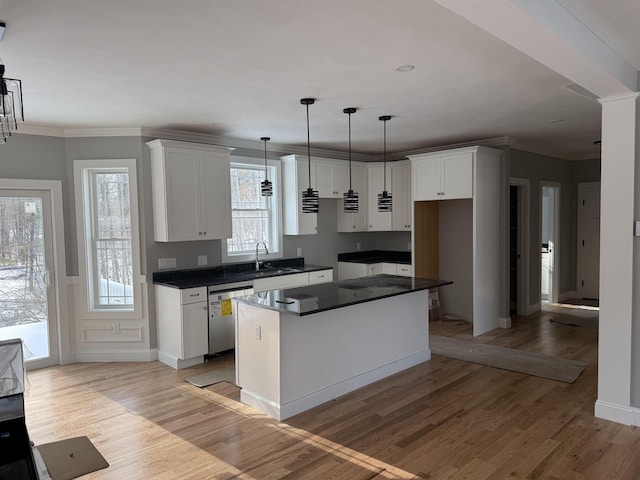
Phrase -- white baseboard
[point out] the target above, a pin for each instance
(566, 295)
(504, 322)
(626, 415)
(117, 356)
(283, 411)
(178, 363)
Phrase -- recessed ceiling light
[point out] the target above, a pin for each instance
(405, 68)
(557, 120)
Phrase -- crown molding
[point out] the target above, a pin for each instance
(488, 142)
(26, 129)
(238, 143)
(103, 132)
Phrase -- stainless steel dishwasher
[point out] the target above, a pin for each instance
(222, 315)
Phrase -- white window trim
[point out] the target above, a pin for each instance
(82, 205)
(277, 195)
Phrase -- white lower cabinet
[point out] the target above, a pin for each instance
(347, 270)
(399, 269)
(293, 280)
(182, 317)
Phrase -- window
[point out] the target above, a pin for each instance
(107, 222)
(254, 218)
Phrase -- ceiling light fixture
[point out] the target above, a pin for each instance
(266, 187)
(350, 197)
(385, 200)
(404, 68)
(11, 110)
(310, 198)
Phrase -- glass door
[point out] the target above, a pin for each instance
(27, 299)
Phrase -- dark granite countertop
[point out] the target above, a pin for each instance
(376, 256)
(328, 296)
(232, 274)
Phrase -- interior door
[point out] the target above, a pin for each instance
(27, 294)
(588, 247)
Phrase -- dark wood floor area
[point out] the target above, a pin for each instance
(441, 419)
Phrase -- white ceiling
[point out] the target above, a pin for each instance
(238, 68)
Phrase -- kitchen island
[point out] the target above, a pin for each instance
(300, 347)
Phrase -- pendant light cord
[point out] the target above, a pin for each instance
(308, 146)
(265, 159)
(385, 156)
(350, 152)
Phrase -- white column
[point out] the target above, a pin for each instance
(620, 147)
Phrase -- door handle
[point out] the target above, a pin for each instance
(46, 278)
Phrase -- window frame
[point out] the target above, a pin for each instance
(85, 221)
(276, 211)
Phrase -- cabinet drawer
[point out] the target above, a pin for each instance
(192, 295)
(323, 276)
(404, 270)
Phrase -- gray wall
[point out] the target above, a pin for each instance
(539, 168)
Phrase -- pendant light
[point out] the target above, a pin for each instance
(266, 187)
(11, 109)
(350, 197)
(385, 200)
(310, 198)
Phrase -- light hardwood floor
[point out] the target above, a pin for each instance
(441, 419)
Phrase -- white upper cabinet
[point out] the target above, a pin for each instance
(378, 221)
(401, 190)
(191, 191)
(295, 179)
(333, 178)
(442, 176)
(354, 221)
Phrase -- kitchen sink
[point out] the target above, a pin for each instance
(271, 271)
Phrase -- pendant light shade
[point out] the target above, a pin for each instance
(310, 198)
(266, 187)
(350, 198)
(385, 200)
(11, 111)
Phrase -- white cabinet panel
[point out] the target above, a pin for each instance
(182, 317)
(404, 270)
(295, 176)
(347, 270)
(322, 276)
(292, 281)
(191, 191)
(425, 177)
(195, 334)
(457, 176)
(333, 179)
(355, 221)
(378, 221)
(401, 190)
(443, 176)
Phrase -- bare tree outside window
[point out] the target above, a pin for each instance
(250, 212)
(111, 239)
(22, 268)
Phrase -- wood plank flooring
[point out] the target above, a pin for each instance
(441, 419)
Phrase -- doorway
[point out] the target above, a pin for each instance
(29, 294)
(519, 246)
(588, 261)
(549, 241)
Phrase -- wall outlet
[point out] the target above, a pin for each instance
(167, 263)
(202, 259)
(258, 332)
(358, 246)
(299, 252)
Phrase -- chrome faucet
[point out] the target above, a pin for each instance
(266, 252)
